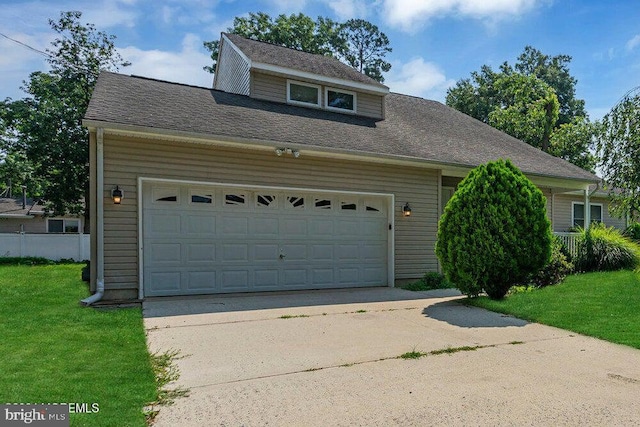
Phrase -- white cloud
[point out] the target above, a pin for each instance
(633, 43)
(181, 67)
(418, 78)
(348, 9)
(410, 14)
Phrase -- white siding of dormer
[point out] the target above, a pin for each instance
(232, 73)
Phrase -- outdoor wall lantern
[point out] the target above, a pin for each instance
(117, 195)
(406, 209)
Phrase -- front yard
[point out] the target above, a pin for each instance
(602, 305)
(55, 351)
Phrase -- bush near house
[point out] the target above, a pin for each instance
(431, 280)
(557, 269)
(494, 231)
(603, 248)
(633, 232)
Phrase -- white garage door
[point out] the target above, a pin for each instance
(215, 239)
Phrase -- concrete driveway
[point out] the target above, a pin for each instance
(329, 358)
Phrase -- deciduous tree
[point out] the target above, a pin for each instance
(619, 150)
(356, 42)
(46, 126)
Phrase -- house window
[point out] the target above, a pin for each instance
(578, 213)
(266, 200)
(234, 199)
(323, 203)
(303, 93)
(63, 225)
(341, 100)
(296, 202)
(202, 198)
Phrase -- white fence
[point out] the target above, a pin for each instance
(50, 246)
(570, 240)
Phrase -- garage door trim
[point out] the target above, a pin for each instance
(390, 215)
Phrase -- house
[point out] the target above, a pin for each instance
(26, 215)
(294, 172)
(27, 231)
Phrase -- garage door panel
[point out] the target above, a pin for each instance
(347, 252)
(321, 228)
(371, 275)
(266, 252)
(201, 280)
(348, 275)
(294, 252)
(374, 252)
(163, 224)
(322, 252)
(235, 226)
(295, 277)
(371, 229)
(293, 227)
(266, 279)
(346, 228)
(165, 253)
(201, 224)
(201, 252)
(165, 281)
(265, 227)
(323, 276)
(238, 252)
(235, 280)
(216, 239)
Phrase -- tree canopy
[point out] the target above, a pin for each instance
(619, 151)
(531, 100)
(356, 42)
(44, 130)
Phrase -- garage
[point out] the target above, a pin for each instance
(207, 239)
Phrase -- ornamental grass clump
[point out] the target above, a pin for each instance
(494, 232)
(603, 248)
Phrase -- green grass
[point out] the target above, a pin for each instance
(603, 305)
(55, 351)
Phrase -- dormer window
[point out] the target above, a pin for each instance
(340, 100)
(303, 94)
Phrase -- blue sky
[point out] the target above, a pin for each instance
(435, 42)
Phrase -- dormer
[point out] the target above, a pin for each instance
(275, 73)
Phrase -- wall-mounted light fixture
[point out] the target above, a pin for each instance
(285, 150)
(117, 195)
(406, 209)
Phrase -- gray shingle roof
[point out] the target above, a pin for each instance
(414, 128)
(326, 66)
(13, 206)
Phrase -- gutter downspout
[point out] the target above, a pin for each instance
(100, 221)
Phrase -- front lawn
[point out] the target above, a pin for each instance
(55, 351)
(603, 305)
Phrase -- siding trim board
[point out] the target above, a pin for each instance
(207, 184)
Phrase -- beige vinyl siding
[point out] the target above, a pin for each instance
(29, 225)
(563, 212)
(232, 72)
(371, 105)
(268, 87)
(126, 159)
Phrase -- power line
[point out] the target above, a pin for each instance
(26, 45)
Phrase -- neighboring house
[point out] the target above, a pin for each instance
(25, 215)
(26, 231)
(294, 172)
